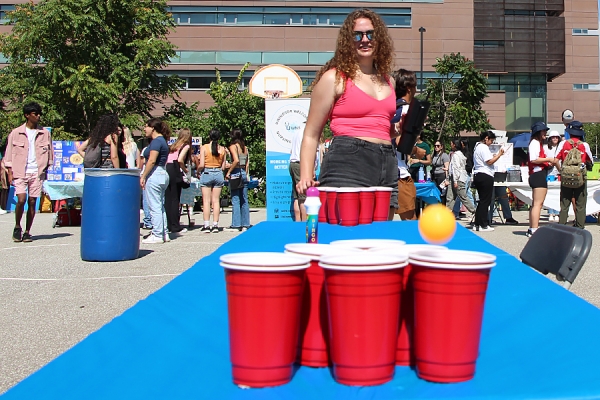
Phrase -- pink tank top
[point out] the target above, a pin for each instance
(356, 113)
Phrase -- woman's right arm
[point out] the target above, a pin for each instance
(114, 151)
(235, 160)
(82, 147)
(201, 160)
(323, 98)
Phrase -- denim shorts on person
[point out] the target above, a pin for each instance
(212, 177)
(352, 162)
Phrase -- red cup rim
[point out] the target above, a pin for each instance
(407, 248)
(327, 189)
(367, 189)
(348, 190)
(463, 257)
(464, 267)
(363, 261)
(383, 189)
(365, 244)
(264, 261)
(315, 250)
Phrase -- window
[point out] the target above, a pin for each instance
(581, 86)
(255, 16)
(4, 8)
(489, 43)
(201, 80)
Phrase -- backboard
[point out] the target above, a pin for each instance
(275, 81)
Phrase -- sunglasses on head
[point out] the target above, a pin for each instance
(358, 35)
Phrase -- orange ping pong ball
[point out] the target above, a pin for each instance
(437, 224)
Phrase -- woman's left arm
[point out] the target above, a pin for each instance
(247, 164)
(182, 158)
(114, 151)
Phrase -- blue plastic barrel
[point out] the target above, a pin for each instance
(110, 214)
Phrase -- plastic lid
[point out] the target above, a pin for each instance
(366, 244)
(312, 192)
(316, 250)
(264, 261)
(459, 257)
(363, 262)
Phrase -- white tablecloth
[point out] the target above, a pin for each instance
(524, 193)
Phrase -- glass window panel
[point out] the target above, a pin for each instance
(284, 58)
(197, 57)
(183, 18)
(237, 57)
(249, 19)
(277, 19)
(296, 18)
(192, 9)
(319, 58)
(198, 18)
(200, 82)
(397, 20)
(322, 19)
(336, 19)
(229, 18)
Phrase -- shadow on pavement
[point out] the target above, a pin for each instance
(144, 252)
(53, 236)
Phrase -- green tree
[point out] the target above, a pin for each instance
(592, 136)
(83, 58)
(456, 98)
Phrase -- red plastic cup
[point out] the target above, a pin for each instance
(363, 294)
(264, 296)
(404, 347)
(366, 244)
(367, 205)
(332, 210)
(323, 208)
(383, 196)
(348, 203)
(313, 344)
(449, 294)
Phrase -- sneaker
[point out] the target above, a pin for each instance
(167, 238)
(183, 230)
(2, 212)
(511, 221)
(529, 233)
(555, 219)
(486, 229)
(214, 229)
(205, 229)
(245, 228)
(17, 235)
(233, 229)
(146, 228)
(26, 237)
(153, 240)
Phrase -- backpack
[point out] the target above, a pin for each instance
(93, 157)
(571, 174)
(469, 164)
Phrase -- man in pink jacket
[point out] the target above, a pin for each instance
(28, 156)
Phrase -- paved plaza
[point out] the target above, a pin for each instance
(51, 299)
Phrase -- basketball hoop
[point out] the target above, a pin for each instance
(273, 94)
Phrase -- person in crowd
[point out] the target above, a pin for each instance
(356, 92)
(106, 135)
(154, 179)
(130, 149)
(483, 170)
(567, 117)
(177, 164)
(28, 155)
(212, 163)
(416, 163)
(405, 89)
(539, 163)
(141, 165)
(469, 168)
(501, 196)
(240, 209)
(440, 165)
(576, 134)
(457, 179)
(551, 150)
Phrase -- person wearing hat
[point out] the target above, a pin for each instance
(576, 134)
(538, 164)
(551, 150)
(567, 117)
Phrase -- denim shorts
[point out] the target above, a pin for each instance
(352, 162)
(212, 177)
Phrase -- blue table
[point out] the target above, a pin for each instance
(428, 192)
(539, 341)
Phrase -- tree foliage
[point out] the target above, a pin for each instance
(233, 108)
(83, 58)
(456, 98)
(592, 136)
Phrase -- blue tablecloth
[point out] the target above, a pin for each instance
(428, 192)
(539, 341)
(61, 190)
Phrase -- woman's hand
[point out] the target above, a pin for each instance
(143, 183)
(303, 184)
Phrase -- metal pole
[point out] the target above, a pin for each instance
(421, 30)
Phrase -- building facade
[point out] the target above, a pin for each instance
(540, 56)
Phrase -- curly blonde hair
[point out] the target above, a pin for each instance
(345, 59)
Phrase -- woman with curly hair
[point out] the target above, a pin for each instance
(105, 135)
(154, 179)
(356, 92)
(240, 210)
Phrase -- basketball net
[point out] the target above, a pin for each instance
(273, 94)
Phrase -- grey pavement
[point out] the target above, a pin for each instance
(53, 300)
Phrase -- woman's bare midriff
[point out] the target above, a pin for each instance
(374, 140)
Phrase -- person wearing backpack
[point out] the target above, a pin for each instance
(575, 158)
(538, 164)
